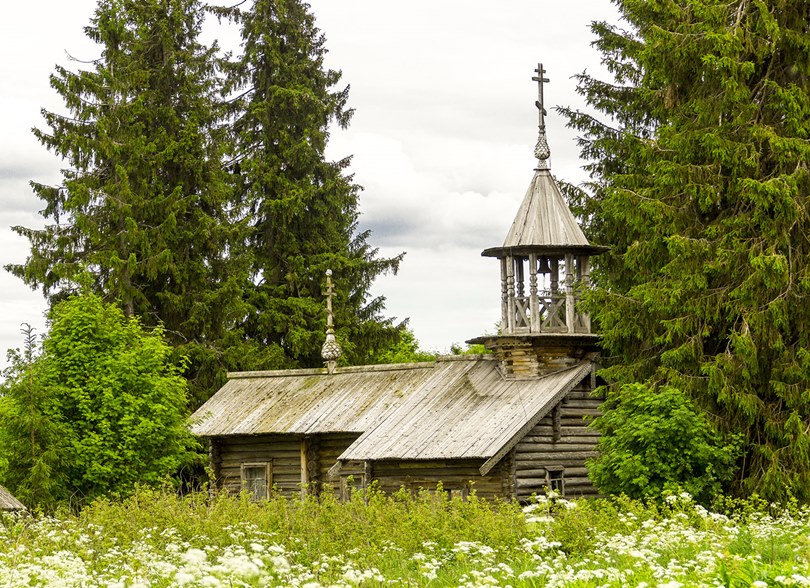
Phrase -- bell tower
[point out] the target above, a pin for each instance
(545, 265)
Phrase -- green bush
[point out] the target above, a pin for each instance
(655, 440)
(101, 409)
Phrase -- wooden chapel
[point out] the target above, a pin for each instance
(506, 424)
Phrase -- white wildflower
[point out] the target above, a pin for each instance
(194, 556)
(183, 577)
(281, 564)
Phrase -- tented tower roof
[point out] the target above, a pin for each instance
(544, 224)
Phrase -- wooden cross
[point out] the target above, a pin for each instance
(540, 79)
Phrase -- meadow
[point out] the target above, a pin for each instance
(155, 538)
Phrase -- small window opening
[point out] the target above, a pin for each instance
(461, 493)
(256, 480)
(555, 479)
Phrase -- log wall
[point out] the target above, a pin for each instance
(295, 460)
(562, 439)
(283, 451)
(331, 446)
(456, 477)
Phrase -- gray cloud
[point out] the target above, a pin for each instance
(442, 138)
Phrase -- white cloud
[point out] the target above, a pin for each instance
(442, 138)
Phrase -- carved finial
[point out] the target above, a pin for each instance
(541, 150)
(331, 351)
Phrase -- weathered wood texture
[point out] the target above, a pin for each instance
(533, 356)
(9, 502)
(331, 446)
(566, 443)
(465, 423)
(297, 461)
(455, 476)
(544, 220)
(307, 402)
(284, 451)
(466, 411)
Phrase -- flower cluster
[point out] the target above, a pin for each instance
(680, 544)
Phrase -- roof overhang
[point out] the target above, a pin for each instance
(549, 250)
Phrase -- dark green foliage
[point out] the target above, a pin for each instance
(700, 184)
(216, 219)
(302, 209)
(144, 201)
(655, 440)
(470, 349)
(106, 405)
(29, 435)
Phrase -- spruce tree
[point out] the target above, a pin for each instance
(144, 201)
(301, 208)
(700, 184)
(29, 434)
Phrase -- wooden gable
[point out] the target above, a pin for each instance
(9, 502)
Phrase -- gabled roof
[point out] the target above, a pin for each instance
(465, 413)
(8, 502)
(458, 407)
(305, 402)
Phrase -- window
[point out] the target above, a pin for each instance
(555, 479)
(257, 479)
(461, 493)
(349, 484)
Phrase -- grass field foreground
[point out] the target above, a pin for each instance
(155, 538)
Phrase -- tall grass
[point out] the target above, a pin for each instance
(364, 523)
(155, 538)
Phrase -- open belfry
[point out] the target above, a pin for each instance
(506, 424)
(545, 265)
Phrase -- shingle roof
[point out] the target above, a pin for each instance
(544, 218)
(544, 223)
(307, 401)
(8, 502)
(465, 413)
(457, 407)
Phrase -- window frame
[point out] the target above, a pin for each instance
(268, 478)
(555, 479)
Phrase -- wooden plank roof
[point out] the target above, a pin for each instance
(465, 412)
(307, 401)
(8, 502)
(455, 408)
(544, 219)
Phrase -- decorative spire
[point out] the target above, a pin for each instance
(541, 150)
(331, 351)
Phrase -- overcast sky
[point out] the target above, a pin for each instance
(442, 136)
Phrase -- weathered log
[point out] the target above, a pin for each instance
(560, 446)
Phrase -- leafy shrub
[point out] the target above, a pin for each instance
(101, 409)
(654, 440)
(405, 350)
